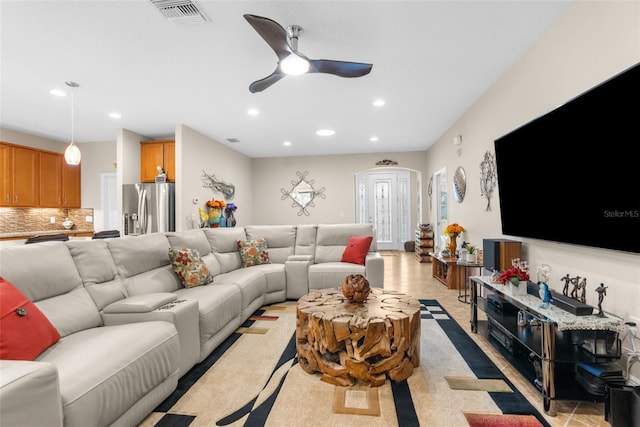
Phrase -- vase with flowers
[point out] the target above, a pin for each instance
(229, 212)
(215, 211)
(516, 277)
(453, 231)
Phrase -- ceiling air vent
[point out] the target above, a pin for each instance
(180, 12)
(234, 140)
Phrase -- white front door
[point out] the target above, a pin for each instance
(384, 201)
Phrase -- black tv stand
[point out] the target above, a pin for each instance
(547, 348)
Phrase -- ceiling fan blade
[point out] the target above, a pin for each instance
(272, 33)
(340, 68)
(260, 85)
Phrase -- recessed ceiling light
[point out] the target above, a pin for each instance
(286, 143)
(379, 102)
(325, 132)
(253, 112)
(373, 139)
(58, 92)
(115, 115)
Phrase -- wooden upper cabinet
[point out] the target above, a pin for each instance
(37, 178)
(50, 189)
(70, 185)
(154, 154)
(169, 153)
(20, 176)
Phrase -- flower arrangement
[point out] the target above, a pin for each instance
(517, 273)
(231, 207)
(204, 217)
(216, 204)
(454, 229)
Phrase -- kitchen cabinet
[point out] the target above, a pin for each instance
(71, 185)
(157, 153)
(59, 185)
(20, 176)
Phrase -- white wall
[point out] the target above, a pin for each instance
(592, 42)
(97, 158)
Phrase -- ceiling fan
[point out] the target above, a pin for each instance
(290, 60)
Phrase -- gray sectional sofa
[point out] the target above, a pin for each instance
(130, 329)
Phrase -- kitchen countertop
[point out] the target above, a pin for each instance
(27, 234)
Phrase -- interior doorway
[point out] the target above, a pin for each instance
(384, 200)
(440, 203)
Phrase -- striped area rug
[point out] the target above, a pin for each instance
(253, 379)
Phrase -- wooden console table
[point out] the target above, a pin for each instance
(367, 341)
(445, 270)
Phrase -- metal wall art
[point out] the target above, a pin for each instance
(302, 193)
(459, 184)
(488, 177)
(215, 184)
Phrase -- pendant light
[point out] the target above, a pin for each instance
(72, 154)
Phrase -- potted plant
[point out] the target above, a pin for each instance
(472, 255)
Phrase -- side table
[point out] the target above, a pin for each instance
(465, 270)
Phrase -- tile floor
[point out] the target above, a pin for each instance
(405, 274)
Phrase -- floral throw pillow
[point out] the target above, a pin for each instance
(253, 252)
(189, 267)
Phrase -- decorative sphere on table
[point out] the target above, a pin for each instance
(355, 287)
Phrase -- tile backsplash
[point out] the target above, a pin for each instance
(29, 220)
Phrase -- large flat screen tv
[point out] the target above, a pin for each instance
(573, 174)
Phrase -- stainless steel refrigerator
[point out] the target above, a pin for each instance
(148, 208)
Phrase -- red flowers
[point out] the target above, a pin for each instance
(518, 272)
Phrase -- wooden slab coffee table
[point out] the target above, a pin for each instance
(346, 341)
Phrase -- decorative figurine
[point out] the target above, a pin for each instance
(574, 291)
(602, 292)
(566, 279)
(583, 287)
(544, 272)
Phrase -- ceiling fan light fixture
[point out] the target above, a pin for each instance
(294, 65)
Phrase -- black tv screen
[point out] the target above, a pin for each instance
(573, 174)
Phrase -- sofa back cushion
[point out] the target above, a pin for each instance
(306, 240)
(46, 274)
(98, 271)
(281, 240)
(332, 239)
(224, 244)
(143, 263)
(195, 239)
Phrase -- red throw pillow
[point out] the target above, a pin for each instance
(25, 332)
(357, 249)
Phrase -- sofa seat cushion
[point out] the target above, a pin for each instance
(251, 282)
(99, 383)
(331, 274)
(274, 274)
(218, 304)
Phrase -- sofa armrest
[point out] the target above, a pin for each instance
(30, 394)
(374, 269)
(143, 303)
(167, 307)
(296, 269)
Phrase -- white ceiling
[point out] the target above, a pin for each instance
(431, 61)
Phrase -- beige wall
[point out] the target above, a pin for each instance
(592, 42)
(335, 173)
